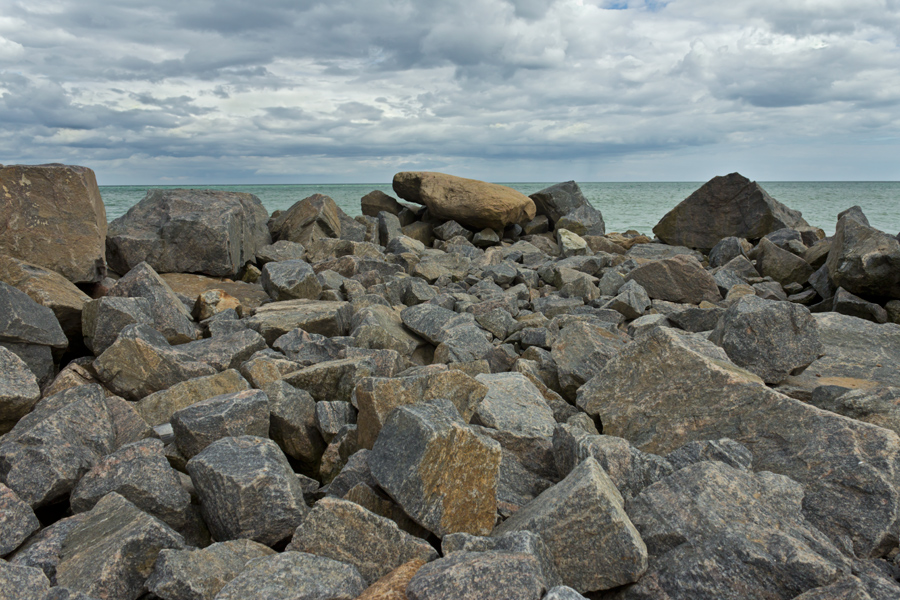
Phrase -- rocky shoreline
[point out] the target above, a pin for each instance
(463, 393)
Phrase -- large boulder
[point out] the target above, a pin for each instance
(472, 203)
(189, 231)
(54, 217)
(17, 521)
(19, 390)
(566, 200)
(491, 575)
(725, 206)
(295, 576)
(678, 279)
(308, 220)
(864, 260)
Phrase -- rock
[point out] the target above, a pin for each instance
(308, 348)
(308, 220)
(514, 404)
(632, 300)
(727, 249)
(479, 576)
(559, 200)
(250, 295)
(441, 473)
(381, 327)
(247, 489)
(571, 244)
(199, 574)
(580, 350)
(214, 302)
(326, 318)
(847, 304)
(432, 322)
(332, 380)
(485, 238)
(709, 518)
(141, 362)
(389, 228)
(295, 576)
(634, 397)
(450, 229)
(768, 338)
(563, 592)
(42, 549)
(471, 203)
(19, 390)
(342, 447)
(582, 522)
(696, 319)
(17, 521)
(879, 406)
(863, 260)
(24, 321)
(781, 265)
(293, 424)
(158, 408)
(189, 231)
(54, 218)
(22, 583)
(227, 351)
(725, 206)
(170, 317)
(516, 542)
(678, 279)
(111, 552)
(279, 251)
(290, 280)
(393, 585)
(584, 221)
(376, 201)
(347, 532)
(104, 318)
(229, 415)
(726, 451)
(330, 416)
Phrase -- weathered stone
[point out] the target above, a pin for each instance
(561, 199)
(19, 582)
(199, 574)
(847, 304)
(450, 229)
(677, 279)
(571, 244)
(290, 280)
(725, 206)
(170, 317)
(213, 302)
(632, 300)
(442, 474)
(581, 349)
(309, 219)
(295, 576)
(381, 327)
(158, 408)
(432, 321)
(247, 489)
(343, 446)
(104, 318)
(332, 380)
(19, 390)
(393, 585)
(42, 549)
(330, 416)
(279, 251)
(583, 523)
(451, 264)
(189, 231)
(25, 322)
(479, 576)
(583, 221)
(727, 249)
(726, 451)
(313, 316)
(708, 518)
(229, 415)
(563, 592)
(17, 521)
(228, 351)
(514, 404)
(250, 295)
(471, 203)
(293, 424)
(863, 260)
(879, 406)
(768, 338)
(781, 265)
(697, 319)
(111, 552)
(54, 217)
(851, 490)
(141, 362)
(376, 201)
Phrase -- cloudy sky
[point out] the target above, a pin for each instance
(293, 91)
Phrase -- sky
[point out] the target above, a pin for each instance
(292, 91)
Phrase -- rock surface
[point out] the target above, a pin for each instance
(295, 576)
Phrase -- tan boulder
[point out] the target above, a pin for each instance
(53, 216)
(469, 202)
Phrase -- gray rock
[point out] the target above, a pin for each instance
(441, 473)
(632, 300)
(821, 282)
(485, 238)
(290, 280)
(332, 380)
(158, 408)
(450, 229)
(559, 200)
(17, 521)
(847, 304)
(308, 220)
(463, 344)
(515, 405)
(516, 542)
(584, 221)
(853, 588)
(104, 318)
(24, 321)
(293, 424)
(42, 549)
(38, 359)
(111, 552)
(381, 327)
(677, 279)
(654, 251)
(326, 318)
(863, 260)
(610, 283)
(768, 338)
(709, 518)
(308, 348)
(19, 390)
(781, 265)
(228, 415)
(696, 319)
(879, 406)
(347, 532)
(331, 415)
(726, 451)
(247, 489)
(199, 574)
(726, 249)
(571, 244)
(563, 592)
(376, 201)
(479, 576)
(389, 228)
(583, 523)
(295, 576)
(432, 321)
(342, 447)
(227, 351)
(580, 350)
(279, 251)
(19, 582)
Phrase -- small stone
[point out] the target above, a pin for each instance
(486, 238)
(18, 582)
(19, 390)
(516, 542)
(393, 585)
(632, 300)
(104, 318)
(848, 304)
(212, 302)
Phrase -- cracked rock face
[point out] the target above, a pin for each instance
(291, 575)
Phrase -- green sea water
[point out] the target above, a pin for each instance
(624, 206)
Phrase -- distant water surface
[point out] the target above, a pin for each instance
(624, 205)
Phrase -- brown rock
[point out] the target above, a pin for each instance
(212, 302)
(393, 585)
(158, 408)
(376, 201)
(250, 295)
(309, 219)
(677, 279)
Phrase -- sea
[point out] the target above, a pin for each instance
(625, 206)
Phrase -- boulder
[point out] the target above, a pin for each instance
(308, 220)
(25, 322)
(432, 322)
(580, 350)
(479, 576)
(441, 473)
(290, 280)
(571, 244)
(279, 251)
(54, 217)
(381, 328)
(643, 395)
(191, 285)
(512, 403)
(376, 201)
(879, 405)
(471, 203)
(294, 423)
(849, 304)
(393, 585)
(333, 379)
(295, 576)
(104, 318)
(678, 279)
(158, 407)
(725, 206)
(19, 582)
(17, 521)
(328, 318)
(247, 489)
(728, 249)
(583, 221)
(781, 265)
(227, 350)
(632, 300)
(229, 415)
(19, 390)
(559, 200)
(189, 231)
(42, 549)
(863, 260)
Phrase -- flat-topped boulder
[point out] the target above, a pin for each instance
(469, 202)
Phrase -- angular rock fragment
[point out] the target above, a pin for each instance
(228, 415)
(290, 280)
(17, 521)
(158, 407)
(781, 265)
(24, 321)
(677, 279)
(514, 404)
(228, 351)
(479, 576)
(581, 349)
(516, 542)
(726, 451)
(333, 379)
(104, 318)
(42, 549)
(846, 303)
(18, 582)
(293, 423)
(295, 576)
(19, 390)
(432, 322)
(863, 260)
(326, 318)
(393, 585)
(381, 327)
(632, 300)
(879, 406)
(308, 220)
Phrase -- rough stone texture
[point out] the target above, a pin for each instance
(463, 344)
(377, 398)
(19, 582)
(879, 406)
(199, 574)
(229, 415)
(247, 489)
(141, 362)
(376, 201)
(213, 302)
(111, 552)
(767, 337)
(189, 231)
(583, 523)
(666, 390)
(571, 244)
(632, 300)
(140, 473)
(472, 203)
(725, 206)
(225, 351)
(192, 285)
(170, 317)
(677, 279)
(433, 322)
(726, 451)
(381, 328)
(863, 260)
(104, 318)
(347, 532)
(583, 221)
(19, 390)
(854, 588)
(293, 424)
(53, 216)
(308, 220)
(48, 451)
(848, 304)
(727, 249)
(441, 473)
(308, 348)
(290, 280)
(393, 585)
(580, 350)
(17, 521)
(781, 265)
(295, 576)
(331, 415)
(559, 200)
(279, 251)
(328, 318)
(709, 519)
(42, 549)
(24, 321)
(158, 408)
(518, 542)
(514, 404)
(333, 379)
(563, 592)
(479, 576)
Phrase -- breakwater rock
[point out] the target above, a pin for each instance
(488, 399)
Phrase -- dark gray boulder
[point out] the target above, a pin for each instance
(678, 279)
(295, 576)
(513, 404)
(878, 405)
(515, 542)
(294, 423)
(479, 576)
(310, 219)
(104, 318)
(849, 304)
(564, 198)
(376, 201)
(432, 322)
(279, 251)
(24, 321)
(726, 451)
(863, 260)
(632, 300)
(18, 582)
(225, 351)
(229, 415)
(727, 249)
(290, 280)
(42, 549)
(19, 390)
(328, 318)
(781, 265)
(189, 231)
(579, 351)
(17, 521)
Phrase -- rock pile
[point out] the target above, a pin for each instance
(485, 397)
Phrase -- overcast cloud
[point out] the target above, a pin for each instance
(211, 91)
